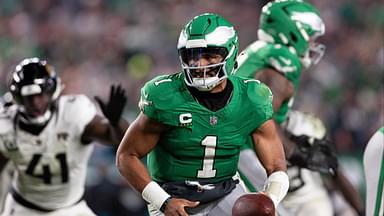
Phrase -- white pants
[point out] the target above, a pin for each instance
(221, 207)
(13, 208)
(374, 175)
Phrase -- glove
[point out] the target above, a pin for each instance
(314, 154)
(113, 109)
(322, 158)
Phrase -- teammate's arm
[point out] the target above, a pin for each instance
(282, 89)
(140, 138)
(111, 129)
(350, 193)
(270, 151)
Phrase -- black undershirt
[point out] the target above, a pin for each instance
(213, 101)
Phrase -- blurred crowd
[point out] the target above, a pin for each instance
(95, 43)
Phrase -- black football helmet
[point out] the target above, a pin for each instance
(33, 76)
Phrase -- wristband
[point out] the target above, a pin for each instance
(277, 186)
(155, 195)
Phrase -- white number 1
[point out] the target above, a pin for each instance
(209, 155)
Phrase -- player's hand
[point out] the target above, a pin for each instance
(314, 154)
(176, 207)
(323, 158)
(114, 107)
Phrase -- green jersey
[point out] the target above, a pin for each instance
(260, 55)
(201, 144)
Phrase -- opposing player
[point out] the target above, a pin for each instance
(374, 174)
(48, 138)
(287, 45)
(192, 125)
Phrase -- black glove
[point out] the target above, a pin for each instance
(113, 109)
(316, 155)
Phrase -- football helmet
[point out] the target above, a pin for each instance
(207, 35)
(296, 24)
(33, 76)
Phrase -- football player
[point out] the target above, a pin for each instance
(48, 139)
(285, 47)
(374, 174)
(192, 125)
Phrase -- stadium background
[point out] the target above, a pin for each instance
(94, 43)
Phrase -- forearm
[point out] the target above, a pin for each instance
(116, 133)
(133, 170)
(137, 175)
(349, 192)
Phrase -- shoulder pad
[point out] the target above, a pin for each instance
(263, 55)
(160, 93)
(78, 107)
(258, 92)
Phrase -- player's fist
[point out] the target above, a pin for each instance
(253, 204)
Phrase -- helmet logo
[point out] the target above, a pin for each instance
(220, 36)
(310, 19)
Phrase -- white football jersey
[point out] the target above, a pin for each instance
(51, 166)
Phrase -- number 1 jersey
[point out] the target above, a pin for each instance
(201, 144)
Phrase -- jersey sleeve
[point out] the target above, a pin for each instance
(158, 100)
(79, 108)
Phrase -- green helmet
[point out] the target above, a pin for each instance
(207, 34)
(296, 24)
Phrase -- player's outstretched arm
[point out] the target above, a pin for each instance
(270, 151)
(140, 138)
(111, 128)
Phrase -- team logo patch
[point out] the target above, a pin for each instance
(213, 120)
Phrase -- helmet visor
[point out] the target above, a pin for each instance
(203, 67)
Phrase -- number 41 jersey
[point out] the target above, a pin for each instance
(51, 166)
(201, 144)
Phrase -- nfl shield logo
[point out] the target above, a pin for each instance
(213, 120)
